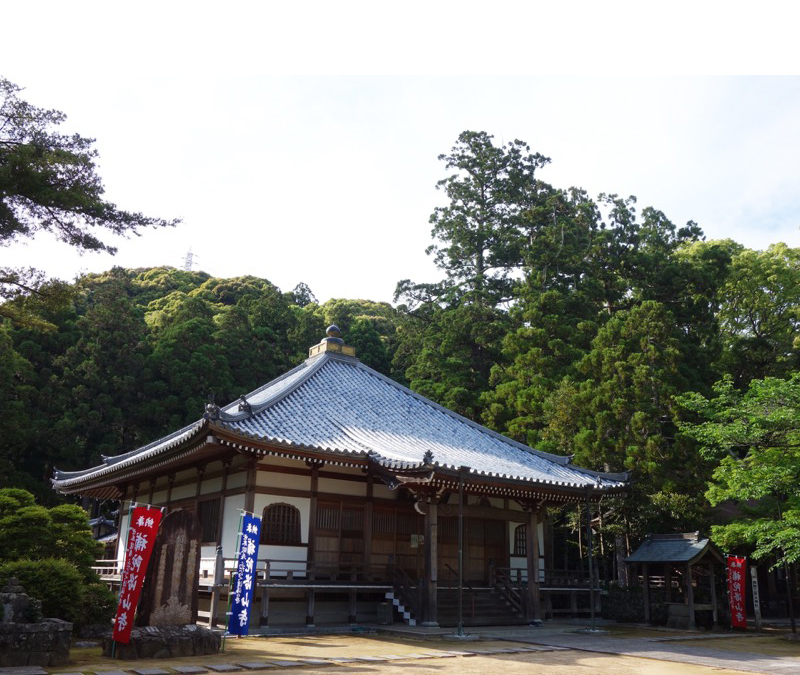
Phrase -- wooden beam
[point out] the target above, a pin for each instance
(431, 563)
(690, 597)
(312, 510)
(533, 605)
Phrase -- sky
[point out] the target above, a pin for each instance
(299, 142)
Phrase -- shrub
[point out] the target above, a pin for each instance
(99, 605)
(56, 583)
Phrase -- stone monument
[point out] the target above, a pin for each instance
(25, 638)
(169, 596)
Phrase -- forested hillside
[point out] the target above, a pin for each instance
(568, 322)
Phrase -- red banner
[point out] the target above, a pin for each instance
(141, 538)
(737, 590)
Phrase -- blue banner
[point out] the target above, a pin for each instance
(245, 580)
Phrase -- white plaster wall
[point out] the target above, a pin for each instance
(521, 562)
(122, 539)
(211, 485)
(380, 491)
(180, 492)
(230, 523)
(289, 481)
(293, 558)
(343, 487)
(159, 497)
(237, 479)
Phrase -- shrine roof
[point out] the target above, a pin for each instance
(672, 548)
(335, 405)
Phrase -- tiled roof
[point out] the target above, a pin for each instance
(680, 548)
(336, 405)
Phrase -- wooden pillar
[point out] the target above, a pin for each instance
(368, 529)
(668, 582)
(312, 511)
(310, 608)
(431, 563)
(226, 465)
(690, 597)
(170, 485)
(646, 591)
(264, 618)
(201, 469)
(216, 589)
(533, 605)
(250, 489)
(152, 490)
(712, 580)
(352, 614)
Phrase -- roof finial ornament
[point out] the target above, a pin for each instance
(244, 405)
(334, 335)
(212, 409)
(427, 458)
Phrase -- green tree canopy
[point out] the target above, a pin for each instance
(753, 436)
(49, 182)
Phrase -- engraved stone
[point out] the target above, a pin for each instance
(169, 596)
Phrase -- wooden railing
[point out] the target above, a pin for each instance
(107, 570)
(408, 591)
(548, 578)
(451, 581)
(511, 588)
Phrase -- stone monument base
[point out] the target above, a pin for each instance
(161, 642)
(35, 644)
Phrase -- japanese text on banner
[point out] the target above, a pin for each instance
(245, 580)
(737, 590)
(141, 540)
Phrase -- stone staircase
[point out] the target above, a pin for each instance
(399, 609)
(481, 607)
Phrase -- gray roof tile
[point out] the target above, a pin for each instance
(335, 404)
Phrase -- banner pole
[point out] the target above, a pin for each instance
(122, 570)
(230, 579)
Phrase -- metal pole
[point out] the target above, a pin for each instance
(789, 588)
(589, 555)
(460, 631)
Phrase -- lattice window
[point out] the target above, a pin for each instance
(208, 515)
(353, 519)
(408, 523)
(521, 540)
(383, 522)
(328, 517)
(281, 525)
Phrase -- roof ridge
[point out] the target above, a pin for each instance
(561, 460)
(275, 398)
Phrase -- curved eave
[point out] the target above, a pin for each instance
(262, 447)
(105, 481)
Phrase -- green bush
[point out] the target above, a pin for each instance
(62, 591)
(99, 605)
(56, 583)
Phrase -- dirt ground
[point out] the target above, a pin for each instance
(567, 662)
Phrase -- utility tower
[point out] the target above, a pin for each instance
(189, 260)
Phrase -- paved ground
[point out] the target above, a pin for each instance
(667, 650)
(552, 650)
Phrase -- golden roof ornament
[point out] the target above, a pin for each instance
(333, 342)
